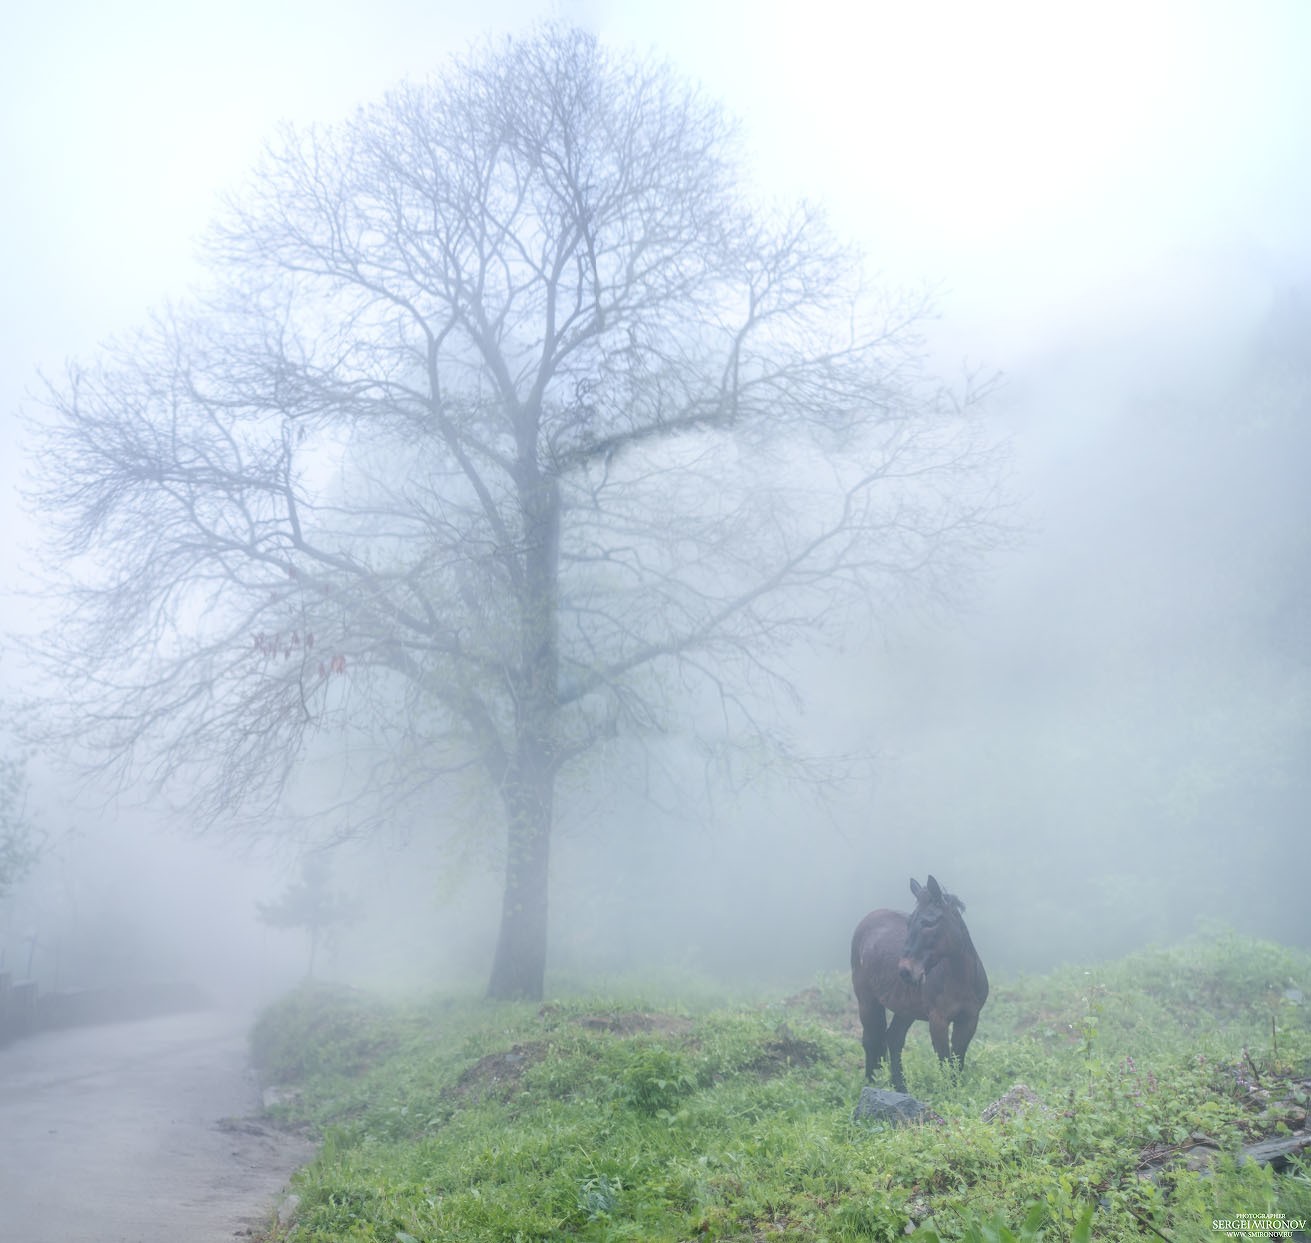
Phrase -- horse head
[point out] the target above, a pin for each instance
(934, 930)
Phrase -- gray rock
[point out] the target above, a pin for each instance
(1018, 1100)
(894, 1108)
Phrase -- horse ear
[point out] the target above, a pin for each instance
(915, 888)
(935, 890)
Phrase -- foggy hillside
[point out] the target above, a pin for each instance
(1110, 743)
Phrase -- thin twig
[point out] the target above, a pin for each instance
(1142, 1221)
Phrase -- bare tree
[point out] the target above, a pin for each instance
(508, 424)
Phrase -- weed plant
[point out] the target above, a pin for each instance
(598, 1120)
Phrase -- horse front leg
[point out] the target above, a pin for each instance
(962, 1032)
(938, 1033)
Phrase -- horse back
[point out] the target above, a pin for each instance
(876, 947)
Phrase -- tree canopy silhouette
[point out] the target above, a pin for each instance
(508, 424)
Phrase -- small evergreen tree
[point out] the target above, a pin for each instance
(308, 903)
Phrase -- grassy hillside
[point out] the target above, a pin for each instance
(634, 1118)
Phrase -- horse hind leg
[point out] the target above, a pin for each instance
(897, 1030)
(873, 1030)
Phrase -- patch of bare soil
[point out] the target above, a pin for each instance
(496, 1076)
(783, 1054)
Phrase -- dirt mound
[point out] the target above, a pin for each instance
(783, 1054)
(497, 1075)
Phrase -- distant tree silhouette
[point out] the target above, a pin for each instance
(308, 903)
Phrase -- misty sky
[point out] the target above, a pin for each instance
(1050, 168)
(1031, 158)
(1060, 172)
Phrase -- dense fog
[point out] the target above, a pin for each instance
(1100, 743)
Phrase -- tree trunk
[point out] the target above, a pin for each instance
(528, 788)
(519, 968)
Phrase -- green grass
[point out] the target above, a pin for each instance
(624, 1118)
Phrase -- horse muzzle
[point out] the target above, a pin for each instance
(911, 972)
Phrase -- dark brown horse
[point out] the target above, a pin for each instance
(921, 966)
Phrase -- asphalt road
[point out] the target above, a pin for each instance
(138, 1132)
